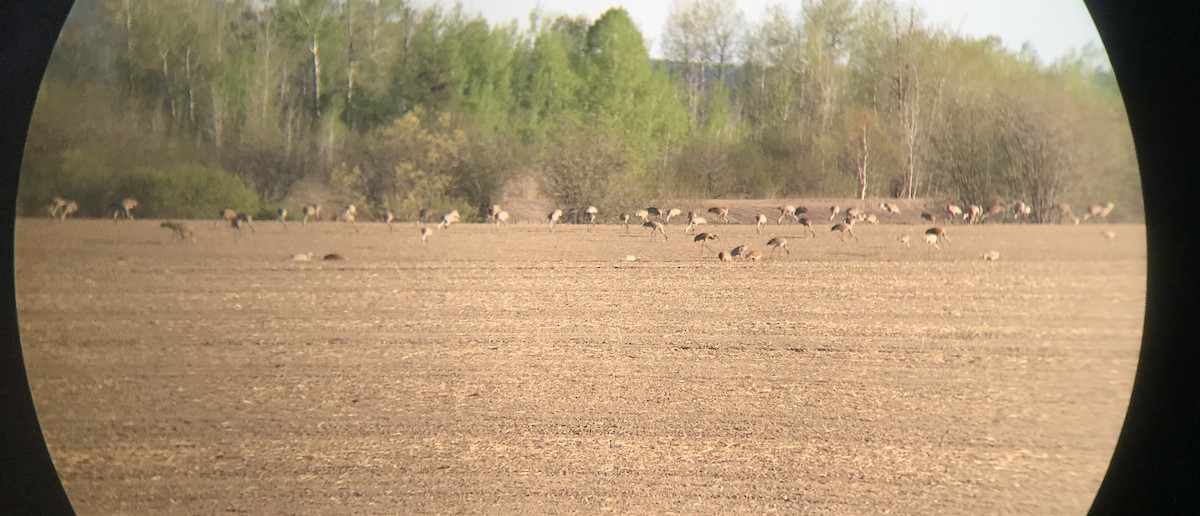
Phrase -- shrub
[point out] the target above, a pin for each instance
(187, 191)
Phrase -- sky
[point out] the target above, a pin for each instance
(1053, 27)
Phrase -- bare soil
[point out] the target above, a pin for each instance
(519, 371)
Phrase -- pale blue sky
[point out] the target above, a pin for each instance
(1052, 26)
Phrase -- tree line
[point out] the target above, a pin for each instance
(381, 104)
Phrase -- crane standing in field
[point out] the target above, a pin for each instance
(388, 217)
(642, 214)
(1021, 211)
(890, 208)
(125, 207)
(624, 220)
(350, 214)
(721, 212)
(425, 232)
(590, 213)
(972, 214)
(281, 215)
(500, 218)
(242, 219)
(1097, 211)
(179, 230)
(703, 238)
(56, 206)
(226, 216)
(953, 212)
(693, 221)
(673, 212)
(760, 220)
(554, 216)
(778, 243)
(70, 208)
(448, 219)
(934, 235)
(833, 212)
(785, 212)
(807, 224)
(845, 228)
(655, 226)
(311, 211)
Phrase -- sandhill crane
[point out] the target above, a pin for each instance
(724, 256)
(423, 215)
(787, 211)
(123, 208)
(70, 208)
(642, 214)
(833, 212)
(800, 210)
(695, 221)
(1021, 210)
(425, 232)
(654, 212)
(807, 224)
(311, 211)
(972, 214)
(890, 208)
(934, 235)
(56, 206)
(349, 214)
(991, 256)
(904, 240)
(778, 243)
(388, 217)
(226, 216)
(242, 219)
(953, 212)
(490, 213)
(179, 230)
(995, 209)
(760, 220)
(590, 213)
(871, 218)
(703, 238)
(721, 212)
(845, 228)
(655, 226)
(754, 255)
(501, 217)
(926, 216)
(1063, 212)
(334, 257)
(1097, 211)
(553, 217)
(673, 212)
(738, 251)
(281, 215)
(856, 214)
(624, 220)
(449, 219)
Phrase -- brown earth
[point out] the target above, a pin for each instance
(519, 371)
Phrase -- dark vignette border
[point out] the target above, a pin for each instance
(1154, 47)
(28, 482)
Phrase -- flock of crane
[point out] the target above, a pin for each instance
(653, 218)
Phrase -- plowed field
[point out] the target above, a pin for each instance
(521, 371)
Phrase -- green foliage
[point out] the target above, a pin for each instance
(186, 191)
(389, 106)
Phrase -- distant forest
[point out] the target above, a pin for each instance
(196, 105)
